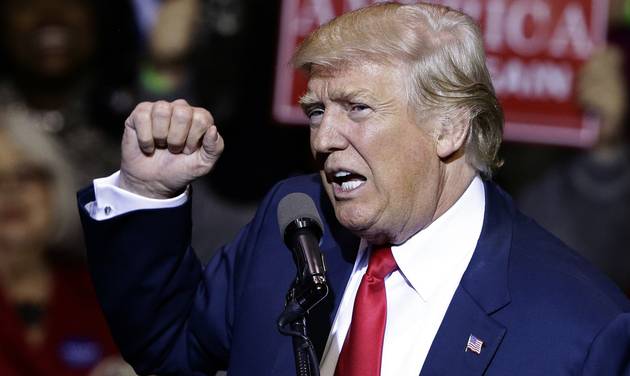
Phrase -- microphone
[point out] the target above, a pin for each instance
(301, 229)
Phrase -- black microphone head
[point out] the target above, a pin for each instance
(297, 206)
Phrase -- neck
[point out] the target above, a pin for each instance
(456, 178)
(20, 265)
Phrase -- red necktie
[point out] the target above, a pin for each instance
(363, 347)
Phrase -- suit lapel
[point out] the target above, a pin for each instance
(448, 355)
(483, 290)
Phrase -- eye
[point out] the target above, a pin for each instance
(315, 114)
(359, 111)
(359, 107)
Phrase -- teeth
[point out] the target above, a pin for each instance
(341, 174)
(350, 185)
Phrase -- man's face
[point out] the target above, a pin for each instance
(378, 163)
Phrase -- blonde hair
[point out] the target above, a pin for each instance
(41, 150)
(443, 52)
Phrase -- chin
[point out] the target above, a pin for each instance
(357, 220)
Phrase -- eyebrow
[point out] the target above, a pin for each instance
(310, 99)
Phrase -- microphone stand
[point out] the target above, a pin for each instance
(308, 289)
(292, 322)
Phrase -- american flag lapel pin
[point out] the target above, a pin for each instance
(474, 344)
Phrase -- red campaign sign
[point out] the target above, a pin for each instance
(534, 49)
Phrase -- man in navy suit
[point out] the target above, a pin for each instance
(405, 127)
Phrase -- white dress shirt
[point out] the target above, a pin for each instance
(430, 265)
(111, 200)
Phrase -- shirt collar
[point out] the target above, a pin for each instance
(435, 254)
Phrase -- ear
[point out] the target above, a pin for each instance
(452, 133)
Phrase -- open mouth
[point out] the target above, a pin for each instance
(347, 181)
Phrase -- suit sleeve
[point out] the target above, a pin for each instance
(166, 313)
(610, 352)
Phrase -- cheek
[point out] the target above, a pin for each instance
(313, 153)
(414, 176)
(404, 165)
(45, 203)
(40, 211)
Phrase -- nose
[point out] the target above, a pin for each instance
(328, 135)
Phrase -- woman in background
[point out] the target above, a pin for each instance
(50, 321)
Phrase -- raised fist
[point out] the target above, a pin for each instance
(166, 146)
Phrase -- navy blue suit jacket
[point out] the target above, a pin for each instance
(539, 308)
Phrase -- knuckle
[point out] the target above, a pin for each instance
(208, 116)
(182, 113)
(203, 117)
(141, 110)
(142, 117)
(143, 106)
(162, 109)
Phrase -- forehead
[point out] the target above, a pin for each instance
(367, 80)
(9, 152)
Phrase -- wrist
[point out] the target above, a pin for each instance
(141, 188)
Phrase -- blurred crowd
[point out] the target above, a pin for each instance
(72, 70)
(583, 195)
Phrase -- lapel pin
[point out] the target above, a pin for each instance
(474, 344)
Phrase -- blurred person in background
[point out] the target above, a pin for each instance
(176, 37)
(69, 64)
(168, 30)
(50, 321)
(585, 201)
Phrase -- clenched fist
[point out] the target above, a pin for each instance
(166, 146)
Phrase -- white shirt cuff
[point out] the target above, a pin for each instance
(111, 200)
